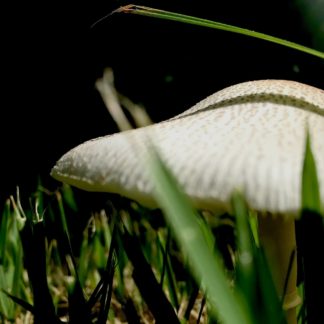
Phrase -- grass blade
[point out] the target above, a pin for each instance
(146, 282)
(310, 187)
(191, 236)
(311, 232)
(252, 271)
(11, 260)
(33, 237)
(4, 230)
(245, 269)
(130, 312)
(167, 272)
(167, 15)
(21, 302)
(107, 286)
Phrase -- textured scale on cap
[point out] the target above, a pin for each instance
(249, 136)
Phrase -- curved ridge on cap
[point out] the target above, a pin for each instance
(256, 146)
(291, 92)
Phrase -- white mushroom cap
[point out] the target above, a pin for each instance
(249, 136)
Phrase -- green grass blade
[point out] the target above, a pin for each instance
(69, 197)
(4, 230)
(145, 280)
(192, 295)
(167, 15)
(312, 238)
(207, 267)
(62, 215)
(6, 304)
(245, 272)
(252, 271)
(18, 267)
(310, 187)
(271, 311)
(167, 271)
(11, 261)
(27, 306)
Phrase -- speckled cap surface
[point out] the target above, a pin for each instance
(249, 137)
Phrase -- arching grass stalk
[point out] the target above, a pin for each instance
(167, 15)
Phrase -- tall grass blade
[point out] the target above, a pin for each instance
(167, 15)
(63, 216)
(269, 308)
(107, 286)
(21, 302)
(78, 310)
(11, 260)
(311, 232)
(130, 312)
(207, 267)
(193, 294)
(6, 305)
(167, 271)
(245, 270)
(146, 282)
(252, 271)
(310, 187)
(69, 197)
(33, 237)
(4, 230)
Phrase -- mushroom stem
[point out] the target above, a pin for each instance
(278, 240)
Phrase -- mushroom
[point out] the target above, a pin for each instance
(250, 136)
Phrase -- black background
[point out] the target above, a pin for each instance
(51, 59)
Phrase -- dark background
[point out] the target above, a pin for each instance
(51, 59)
